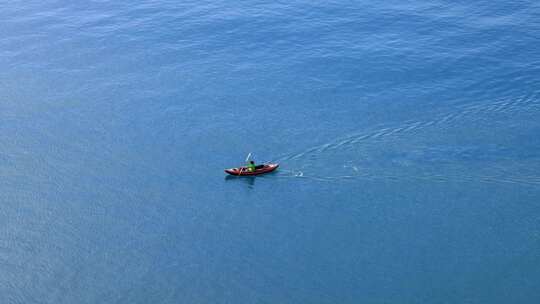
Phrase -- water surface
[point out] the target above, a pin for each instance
(407, 135)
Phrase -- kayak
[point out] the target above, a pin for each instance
(243, 171)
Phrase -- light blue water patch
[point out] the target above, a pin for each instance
(407, 135)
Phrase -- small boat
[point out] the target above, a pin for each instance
(261, 169)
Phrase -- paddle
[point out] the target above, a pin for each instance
(247, 159)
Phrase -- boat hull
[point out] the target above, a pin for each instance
(243, 171)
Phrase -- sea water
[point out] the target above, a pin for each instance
(408, 135)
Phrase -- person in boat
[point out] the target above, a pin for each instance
(251, 166)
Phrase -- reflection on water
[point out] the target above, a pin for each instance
(248, 180)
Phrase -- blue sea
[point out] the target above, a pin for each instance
(407, 133)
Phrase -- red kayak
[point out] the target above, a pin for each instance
(243, 171)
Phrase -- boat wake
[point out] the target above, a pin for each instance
(441, 148)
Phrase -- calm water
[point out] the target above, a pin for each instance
(407, 131)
